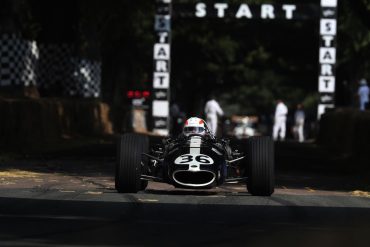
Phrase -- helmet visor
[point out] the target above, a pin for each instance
(194, 130)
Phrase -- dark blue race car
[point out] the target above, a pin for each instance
(196, 161)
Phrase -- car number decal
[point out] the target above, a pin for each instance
(201, 159)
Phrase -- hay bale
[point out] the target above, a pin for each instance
(27, 121)
(346, 131)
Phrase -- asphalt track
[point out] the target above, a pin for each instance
(72, 202)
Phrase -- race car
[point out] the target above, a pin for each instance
(195, 159)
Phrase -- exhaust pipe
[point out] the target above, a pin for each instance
(194, 179)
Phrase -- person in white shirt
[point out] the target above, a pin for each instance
(212, 111)
(363, 94)
(299, 117)
(281, 112)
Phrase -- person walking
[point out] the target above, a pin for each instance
(281, 112)
(363, 94)
(212, 110)
(299, 117)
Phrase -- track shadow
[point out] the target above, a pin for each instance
(37, 222)
(181, 192)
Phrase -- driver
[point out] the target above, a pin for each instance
(195, 126)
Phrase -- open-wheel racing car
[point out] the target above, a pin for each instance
(196, 159)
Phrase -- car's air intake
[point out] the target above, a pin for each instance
(194, 179)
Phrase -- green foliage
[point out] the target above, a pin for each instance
(246, 67)
(354, 39)
(248, 64)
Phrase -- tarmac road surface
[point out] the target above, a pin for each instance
(73, 203)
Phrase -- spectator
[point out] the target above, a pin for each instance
(212, 111)
(363, 94)
(281, 112)
(299, 117)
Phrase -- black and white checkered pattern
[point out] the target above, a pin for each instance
(51, 67)
(61, 72)
(86, 78)
(18, 61)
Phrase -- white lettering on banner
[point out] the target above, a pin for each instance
(200, 10)
(161, 75)
(163, 37)
(289, 10)
(267, 11)
(244, 11)
(328, 13)
(326, 98)
(328, 27)
(329, 3)
(162, 23)
(160, 108)
(160, 95)
(322, 108)
(326, 69)
(162, 51)
(326, 84)
(221, 9)
(161, 66)
(161, 80)
(328, 40)
(327, 55)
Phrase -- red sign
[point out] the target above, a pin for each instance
(137, 94)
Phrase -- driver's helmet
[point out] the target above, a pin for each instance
(194, 126)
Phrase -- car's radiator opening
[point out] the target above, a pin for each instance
(201, 178)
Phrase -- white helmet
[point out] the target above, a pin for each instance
(195, 126)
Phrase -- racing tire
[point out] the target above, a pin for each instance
(260, 169)
(129, 164)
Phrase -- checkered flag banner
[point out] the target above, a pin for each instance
(53, 68)
(86, 79)
(60, 72)
(18, 61)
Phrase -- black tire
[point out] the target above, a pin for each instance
(260, 167)
(129, 163)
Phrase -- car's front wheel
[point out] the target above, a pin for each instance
(129, 165)
(260, 170)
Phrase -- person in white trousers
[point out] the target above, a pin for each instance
(281, 112)
(363, 94)
(299, 117)
(212, 111)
